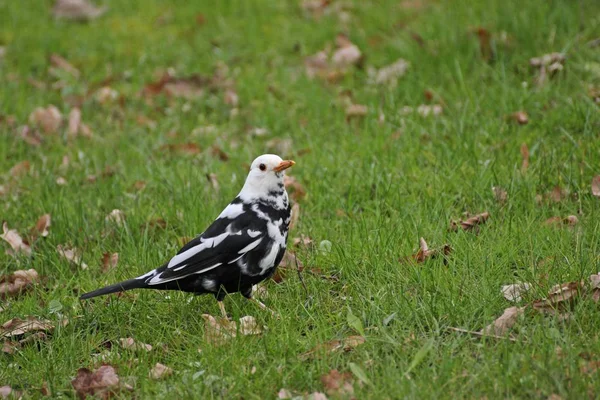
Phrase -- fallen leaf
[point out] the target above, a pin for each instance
(30, 136)
(219, 330)
(231, 98)
(190, 87)
(160, 371)
(519, 117)
(302, 241)
(560, 296)
(74, 121)
(425, 252)
(18, 327)
(338, 384)
(212, 179)
(596, 186)
(73, 255)
(61, 63)
(18, 282)
(389, 74)
(500, 194)
(525, 156)
(471, 223)
(346, 345)
(138, 186)
(249, 326)
(15, 241)
(103, 383)
(347, 54)
(8, 392)
(76, 10)
(295, 190)
(485, 44)
(547, 66)
(20, 169)
(570, 220)
(218, 152)
(109, 261)
(504, 323)
(116, 216)
(182, 148)
(514, 291)
(41, 227)
(424, 110)
(61, 181)
(288, 263)
(356, 111)
(48, 119)
(106, 95)
(130, 344)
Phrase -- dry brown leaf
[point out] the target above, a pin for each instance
(471, 223)
(485, 43)
(346, 345)
(160, 371)
(317, 65)
(116, 216)
(18, 282)
(182, 148)
(295, 190)
(500, 194)
(346, 55)
(525, 156)
(12, 237)
(547, 66)
(424, 110)
(130, 344)
(515, 291)
(30, 136)
(20, 169)
(503, 323)
(61, 63)
(218, 152)
(106, 95)
(74, 122)
(560, 296)
(103, 383)
(188, 88)
(218, 330)
(76, 10)
(109, 261)
(288, 263)
(425, 252)
(60, 181)
(7, 392)
(73, 255)
(41, 227)
(214, 182)
(570, 220)
(596, 186)
(356, 111)
(302, 241)
(338, 384)
(389, 74)
(519, 117)
(19, 327)
(231, 98)
(295, 216)
(48, 119)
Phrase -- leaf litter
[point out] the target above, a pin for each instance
(16, 242)
(103, 383)
(218, 330)
(18, 282)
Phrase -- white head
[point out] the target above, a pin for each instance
(265, 178)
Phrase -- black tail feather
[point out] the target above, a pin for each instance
(117, 287)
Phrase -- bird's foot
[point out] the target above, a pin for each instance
(223, 311)
(264, 307)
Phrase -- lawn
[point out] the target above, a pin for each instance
(423, 151)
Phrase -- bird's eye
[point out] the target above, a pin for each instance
(262, 167)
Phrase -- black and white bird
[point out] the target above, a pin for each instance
(241, 248)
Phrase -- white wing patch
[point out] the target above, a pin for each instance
(253, 234)
(250, 246)
(269, 260)
(206, 244)
(232, 211)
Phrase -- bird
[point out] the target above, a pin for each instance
(241, 248)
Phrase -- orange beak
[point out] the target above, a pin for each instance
(285, 164)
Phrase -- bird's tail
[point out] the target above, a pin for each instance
(117, 287)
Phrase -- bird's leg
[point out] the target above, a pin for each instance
(222, 308)
(261, 305)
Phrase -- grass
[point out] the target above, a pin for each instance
(395, 180)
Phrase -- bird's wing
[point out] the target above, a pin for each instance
(224, 242)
